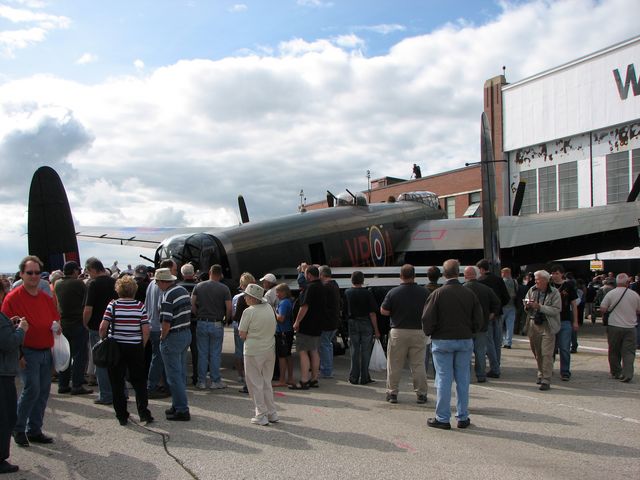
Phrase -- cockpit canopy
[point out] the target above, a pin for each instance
(346, 199)
(428, 198)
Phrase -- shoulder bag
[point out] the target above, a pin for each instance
(106, 353)
(605, 315)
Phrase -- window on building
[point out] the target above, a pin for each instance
(568, 185)
(635, 164)
(548, 189)
(617, 177)
(450, 203)
(474, 197)
(530, 199)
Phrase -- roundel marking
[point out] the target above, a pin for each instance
(377, 247)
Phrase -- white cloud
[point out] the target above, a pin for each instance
(384, 28)
(38, 24)
(238, 8)
(179, 143)
(349, 41)
(87, 58)
(138, 64)
(314, 3)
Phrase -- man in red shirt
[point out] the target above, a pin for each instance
(38, 309)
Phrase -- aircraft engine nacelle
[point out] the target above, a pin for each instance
(200, 249)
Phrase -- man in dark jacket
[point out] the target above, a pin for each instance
(331, 321)
(490, 308)
(494, 332)
(452, 315)
(11, 337)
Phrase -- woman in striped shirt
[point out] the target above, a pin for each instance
(125, 320)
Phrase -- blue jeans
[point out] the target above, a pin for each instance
(210, 336)
(326, 352)
(509, 318)
(156, 369)
(563, 345)
(451, 359)
(361, 342)
(480, 354)
(102, 375)
(494, 345)
(174, 355)
(77, 335)
(36, 380)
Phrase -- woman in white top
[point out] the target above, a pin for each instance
(257, 328)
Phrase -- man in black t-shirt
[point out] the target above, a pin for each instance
(568, 318)
(404, 304)
(100, 291)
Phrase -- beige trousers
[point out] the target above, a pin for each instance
(258, 371)
(406, 344)
(543, 343)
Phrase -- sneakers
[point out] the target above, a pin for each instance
(273, 418)
(217, 385)
(464, 423)
(434, 423)
(392, 398)
(179, 416)
(80, 391)
(421, 399)
(261, 420)
(201, 386)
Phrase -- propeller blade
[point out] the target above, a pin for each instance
(244, 215)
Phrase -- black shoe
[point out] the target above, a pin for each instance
(170, 411)
(434, 423)
(21, 439)
(565, 378)
(6, 467)
(146, 418)
(99, 401)
(179, 416)
(493, 375)
(625, 379)
(123, 421)
(539, 381)
(40, 438)
(368, 381)
(507, 346)
(62, 390)
(153, 394)
(392, 398)
(482, 380)
(421, 399)
(80, 391)
(464, 423)
(544, 386)
(244, 390)
(354, 382)
(574, 350)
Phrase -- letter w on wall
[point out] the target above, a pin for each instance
(631, 79)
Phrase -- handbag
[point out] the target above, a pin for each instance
(61, 352)
(378, 361)
(605, 315)
(106, 353)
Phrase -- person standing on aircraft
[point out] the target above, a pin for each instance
(330, 322)
(490, 304)
(189, 281)
(269, 282)
(363, 325)
(624, 307)
(494, 332)
(257, 328)
(31, 303)
(404, 305)
(543, 305)
(308, 325)
(175, 337)
(70, 293)
(452, 315)
(156, 373)
(509, 310)
(568, 318)
(211, 304)
(100, 291)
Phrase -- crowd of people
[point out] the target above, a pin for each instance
(157, 319)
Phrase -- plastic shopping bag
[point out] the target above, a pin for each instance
(61, 352)
(378, 360)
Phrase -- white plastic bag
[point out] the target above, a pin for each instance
(61, 352)
(378, 361)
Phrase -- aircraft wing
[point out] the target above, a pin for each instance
(147, 237)
(530, 238)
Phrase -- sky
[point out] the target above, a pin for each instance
(160, 113)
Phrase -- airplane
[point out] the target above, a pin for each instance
(353, 233)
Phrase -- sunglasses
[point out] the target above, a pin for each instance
(32, 272)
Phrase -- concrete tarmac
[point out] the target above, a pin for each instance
(587, 428)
